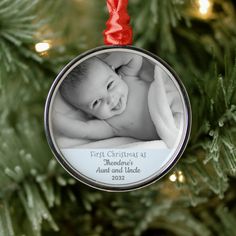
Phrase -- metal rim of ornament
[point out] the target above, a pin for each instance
(85, 179)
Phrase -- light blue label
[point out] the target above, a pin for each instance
(117, 166)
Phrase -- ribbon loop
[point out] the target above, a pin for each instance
(118, 31)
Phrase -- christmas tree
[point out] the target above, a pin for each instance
(38, 197)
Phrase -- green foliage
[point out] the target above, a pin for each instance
(16, 19)
(160, 25)
(213, 132)
(37, 197)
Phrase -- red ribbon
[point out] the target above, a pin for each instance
(118, 31)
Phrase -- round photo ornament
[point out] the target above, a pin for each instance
(117, 117)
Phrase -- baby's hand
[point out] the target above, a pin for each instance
(128, 63)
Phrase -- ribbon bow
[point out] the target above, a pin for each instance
(118, 31)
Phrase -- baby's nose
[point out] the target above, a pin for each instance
(110, 100)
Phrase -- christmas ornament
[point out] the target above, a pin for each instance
(117, 117)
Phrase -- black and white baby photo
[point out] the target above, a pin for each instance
(117, 99)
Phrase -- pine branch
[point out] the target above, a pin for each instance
(26, 173)
(212, 151)
(159, 24)
(17, 31)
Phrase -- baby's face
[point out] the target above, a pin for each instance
(103, 93)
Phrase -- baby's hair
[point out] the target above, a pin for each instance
(78, 74)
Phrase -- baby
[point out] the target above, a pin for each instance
(112, 95)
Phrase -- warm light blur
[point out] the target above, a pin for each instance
(177, 176)
(42, 47)
(181, 178)
(204, 6)
(173, 177)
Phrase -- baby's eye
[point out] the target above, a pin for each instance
(110, 85)
(96, 103)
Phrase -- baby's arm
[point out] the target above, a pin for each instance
(76, 129)
(128, 63)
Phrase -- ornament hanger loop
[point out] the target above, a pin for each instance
(118, 31)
